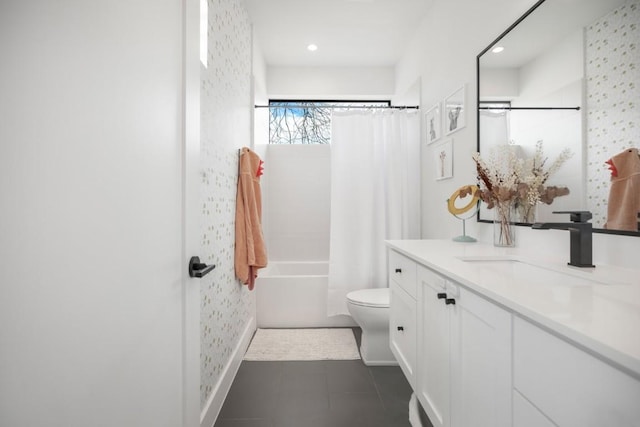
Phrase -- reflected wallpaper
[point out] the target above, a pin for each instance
(613, 85)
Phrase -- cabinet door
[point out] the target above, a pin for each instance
(432, 379)
(402, 270)
(527, 415)
(402, 330)
(570, 386)
(481, 361)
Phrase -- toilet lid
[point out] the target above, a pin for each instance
(370, 297)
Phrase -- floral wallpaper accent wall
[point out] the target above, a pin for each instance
(226, 305)
(613, 98)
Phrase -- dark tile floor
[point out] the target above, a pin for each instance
(332, 393)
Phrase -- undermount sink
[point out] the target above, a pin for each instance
(527, 271)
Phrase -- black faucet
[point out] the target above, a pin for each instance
(580, 233)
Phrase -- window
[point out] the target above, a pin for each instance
(307, 122)
(204, 31)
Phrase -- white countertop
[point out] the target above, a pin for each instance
(601, 317)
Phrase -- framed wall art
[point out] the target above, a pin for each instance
(443, 157)
(454, 111)
(433, 123)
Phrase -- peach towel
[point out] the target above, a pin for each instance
(624, 195)
(250, 250)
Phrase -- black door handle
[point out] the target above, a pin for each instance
(398, 270)
(401, 328)
(198, 269)
(441, 295)
(449, 301)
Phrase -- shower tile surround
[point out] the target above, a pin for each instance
(612, 70)
(226, 305)
(296, 202)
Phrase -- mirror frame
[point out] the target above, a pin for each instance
(485, 50)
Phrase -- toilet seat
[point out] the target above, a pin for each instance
(370, 297)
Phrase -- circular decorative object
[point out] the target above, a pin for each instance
(463, 192)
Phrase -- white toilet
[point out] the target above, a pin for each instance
(370, 309)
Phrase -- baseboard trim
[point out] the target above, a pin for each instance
(212, 409)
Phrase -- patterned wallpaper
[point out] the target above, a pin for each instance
(226, 305)
(613, 73)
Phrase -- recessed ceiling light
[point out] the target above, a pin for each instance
(312, 47)
(497, 49)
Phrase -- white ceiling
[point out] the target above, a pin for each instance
(348, 33)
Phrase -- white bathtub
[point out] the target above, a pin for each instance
(294, 295)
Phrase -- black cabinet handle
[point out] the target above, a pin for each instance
(449, 301)
(198, 269)
(441, 295)
(398, 270)
(401, 328)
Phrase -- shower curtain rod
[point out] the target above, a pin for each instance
(392, 107)
(529, 108)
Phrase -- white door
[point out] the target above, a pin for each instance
(94, 217)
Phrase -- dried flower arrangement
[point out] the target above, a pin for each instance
(532, 189)
(499, 175)
(507, 182)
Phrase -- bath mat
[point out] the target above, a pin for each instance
(303, 344)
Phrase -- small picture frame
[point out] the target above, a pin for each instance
(432, 123)
(454, 111)
(443, 157)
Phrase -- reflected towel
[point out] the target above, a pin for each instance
(624, 194)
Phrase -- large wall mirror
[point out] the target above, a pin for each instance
(567, 76)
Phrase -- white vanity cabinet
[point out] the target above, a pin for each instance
(568, 386)
(462, 344)
(402, 313)
(497, 348)
(464, 349)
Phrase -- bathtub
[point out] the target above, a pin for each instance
(294, 295)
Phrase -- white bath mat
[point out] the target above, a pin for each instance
(303, 344)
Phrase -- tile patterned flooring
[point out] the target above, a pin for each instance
(334, 393)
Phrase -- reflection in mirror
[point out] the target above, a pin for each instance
(568, 76)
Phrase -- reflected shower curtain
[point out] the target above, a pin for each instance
(375, 196)
(494, 127)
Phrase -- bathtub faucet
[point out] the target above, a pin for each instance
(580, 235)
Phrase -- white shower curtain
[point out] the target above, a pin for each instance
(375, 196)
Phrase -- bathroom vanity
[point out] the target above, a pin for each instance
(489, 337)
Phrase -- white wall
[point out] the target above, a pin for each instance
(443, 53)
(556, 69)
(330, 83)
(500, 84)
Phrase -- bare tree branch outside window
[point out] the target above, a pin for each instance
(305, 122)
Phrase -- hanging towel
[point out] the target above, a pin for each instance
(250, 250)
(624, 194)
